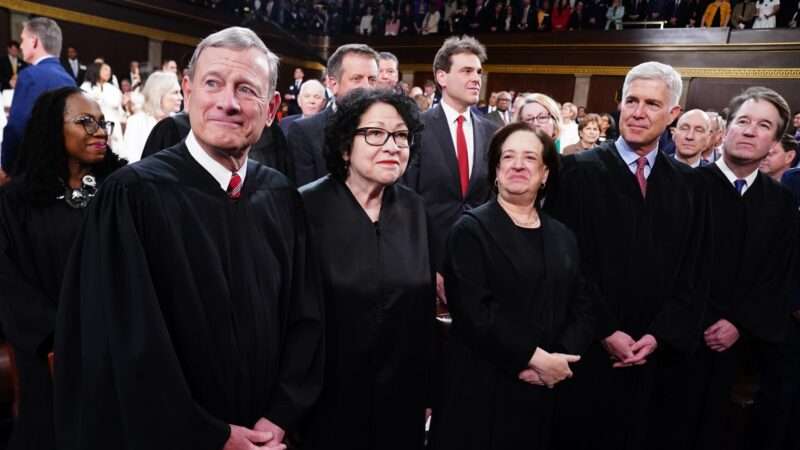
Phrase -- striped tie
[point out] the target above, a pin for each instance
(235, 186)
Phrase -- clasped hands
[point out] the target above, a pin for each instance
(547, 369)
(625, 352)
(721, 335)
(264, 435)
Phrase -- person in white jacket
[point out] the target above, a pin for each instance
(100, 88)
(162, 97)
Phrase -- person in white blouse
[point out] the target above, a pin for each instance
(99, 87)
(767, 12)
(615, 14)
(162, 97)
(365, 27)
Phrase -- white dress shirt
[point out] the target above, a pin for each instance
(732, 176)
(452, 122)
(217, 170)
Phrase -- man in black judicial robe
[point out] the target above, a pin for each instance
(271, 148)
(753, 252)
(639, 223)
(189, 316)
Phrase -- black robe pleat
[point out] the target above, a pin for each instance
(505, 303)
(641, 255)
(35, 240)
(380, 311)
(184, 311)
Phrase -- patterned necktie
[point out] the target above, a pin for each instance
(235, 186)
(739, 185)
(641, 163)
(463, 158)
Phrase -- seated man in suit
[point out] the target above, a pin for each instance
(41, 42)
(502, 115)
(311, 100)
(351, 66)
(692, 135)
(450, 171)
(781, 157)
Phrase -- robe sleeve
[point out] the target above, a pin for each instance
(504, 341)
(28, 316)
(579, 332)
(302, 361)
(118, 380)
(680, 320)
(300, 147)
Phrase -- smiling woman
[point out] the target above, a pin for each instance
(371, 241)
(64, 156)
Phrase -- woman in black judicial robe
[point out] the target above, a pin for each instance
(370, 235)
(519, 315)
(63, 154)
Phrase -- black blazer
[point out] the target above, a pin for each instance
(81, 70)
(306, 140)
(434, 175)
(294, 108)
(6, 72)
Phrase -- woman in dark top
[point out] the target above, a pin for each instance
(371, 242)
(520, 317)
(63, 157)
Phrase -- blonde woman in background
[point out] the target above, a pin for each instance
(542, 113)
(162, 97)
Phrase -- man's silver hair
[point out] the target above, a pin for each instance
(238, 38)
(653, 70)
(311, 84)
(48, 31)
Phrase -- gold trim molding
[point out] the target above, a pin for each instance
(688, 72)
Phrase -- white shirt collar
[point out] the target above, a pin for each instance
(451, 114)
(750, 179)
(42, 58)
(217, 170)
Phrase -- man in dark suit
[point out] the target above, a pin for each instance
(450, 171)
(502, 115)
(351, 66)
(293, 90)
(41, 41)
(73, 66)
(10, 65)
(311, 100)
(692, 135)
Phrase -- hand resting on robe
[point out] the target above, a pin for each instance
(721, 335)
(548, 368)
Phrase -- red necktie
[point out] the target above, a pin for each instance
(235, 186)
(640, 165)
(463, 158)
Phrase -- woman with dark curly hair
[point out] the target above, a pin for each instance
(62, 159)
(520, 315)
(371, 241)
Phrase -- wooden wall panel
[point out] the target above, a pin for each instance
(604, 93)
(421, 76)
(5, 29)
(713, 94)
(559, 87)
(117, 49)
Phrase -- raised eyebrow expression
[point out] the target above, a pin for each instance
(245, 81)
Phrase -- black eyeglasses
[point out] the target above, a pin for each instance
(378, 137)
(91, 125)
(541, 119)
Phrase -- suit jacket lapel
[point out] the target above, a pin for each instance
(441, 129)
(479, 163)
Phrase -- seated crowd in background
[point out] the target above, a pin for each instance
(405, 17)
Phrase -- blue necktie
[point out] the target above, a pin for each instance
(739, 185)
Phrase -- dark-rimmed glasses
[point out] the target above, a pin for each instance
(378, 137)
(91, 125)
(541, 119)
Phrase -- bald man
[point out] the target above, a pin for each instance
(692, 135)
(310, 99)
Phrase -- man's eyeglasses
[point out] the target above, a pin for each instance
(541, 119)
(378, 137)
(91, 125)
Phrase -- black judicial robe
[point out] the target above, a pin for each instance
(184, 311)
(641, 255)
(504, 306)
(753, 276)
(35, 240)
(379, 313)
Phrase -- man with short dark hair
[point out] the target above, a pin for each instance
(351, 66)
(170, 65)
(639, 220)
(40, 44)
(502, 115)
(781, 157)
(450, 171)
(10, 65)
(73, 67)
(190, 316)
(753, 250)
(293, 90)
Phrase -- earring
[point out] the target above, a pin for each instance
(544, 185)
